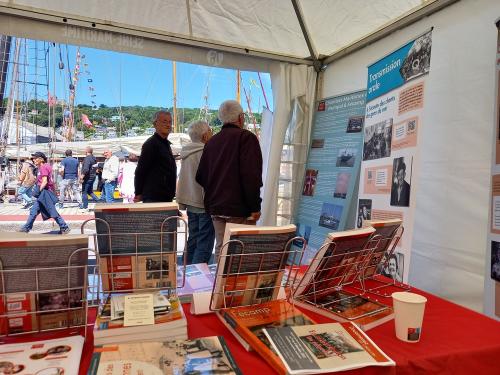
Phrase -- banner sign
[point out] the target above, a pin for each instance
(332, 169)
(393, 120)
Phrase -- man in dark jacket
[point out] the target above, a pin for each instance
(87, 177)
(230, 171)
(156, 172)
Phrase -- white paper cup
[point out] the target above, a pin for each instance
(408, 315)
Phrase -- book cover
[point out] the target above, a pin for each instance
(57, 356)
(343, 306)
(249, 321)
(127, 272)
(258, 265)
(321, 348)
(104, 326)
(41, 261)
(336, 259)
(206, 355)
(198, 278)
(135, 227)
(383, 238)
(14, 314)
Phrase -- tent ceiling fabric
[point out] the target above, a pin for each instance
(335, 24)
(269, 26)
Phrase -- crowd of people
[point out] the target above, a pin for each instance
(219, 181)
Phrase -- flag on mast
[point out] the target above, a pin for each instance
(86, 121)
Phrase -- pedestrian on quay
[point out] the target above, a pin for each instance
(46, 199)
(87, 177)
(27, 179)
(69, 172)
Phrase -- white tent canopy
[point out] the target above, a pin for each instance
(264, 28)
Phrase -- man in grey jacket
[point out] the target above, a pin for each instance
(190, 196)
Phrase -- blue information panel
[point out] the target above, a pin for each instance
(409, 62)
(332, 168)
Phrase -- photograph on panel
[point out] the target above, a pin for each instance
(378, 139)
(401, 182)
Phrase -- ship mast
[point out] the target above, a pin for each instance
(238, 86)
(9, 112)
(174, 78)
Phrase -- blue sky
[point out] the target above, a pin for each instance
(138, 80)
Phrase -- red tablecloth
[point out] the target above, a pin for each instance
(455, 340)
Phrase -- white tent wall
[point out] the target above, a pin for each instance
(451, 219)
(288, 82)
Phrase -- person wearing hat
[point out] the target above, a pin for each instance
(46, 199)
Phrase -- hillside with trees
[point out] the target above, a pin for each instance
(137, 117)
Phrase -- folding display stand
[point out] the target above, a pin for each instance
(245, 279)
(72, 300)
(341, 277)
(369, 278)
(154, 275)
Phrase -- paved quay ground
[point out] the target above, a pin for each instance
(12, 216)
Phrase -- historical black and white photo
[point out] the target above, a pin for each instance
(401, 182)
(378, 139)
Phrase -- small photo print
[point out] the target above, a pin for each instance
(310, 182)
(321, 344)
(153, 264)
(355, 124)
(330, 216)
(346, 157)
(401, 189)
(378, 139)
(394, 267)
(495, 260)
(342, 185)
(302, 231)
(318, 143)
(418, 59)
(364, 211)
(59, 300)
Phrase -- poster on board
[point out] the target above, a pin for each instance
(332, 168)
(492, 264)
(393, 121)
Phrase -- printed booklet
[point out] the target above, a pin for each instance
(251, 273)
(58, 356)
(321, 348)
(207, 355)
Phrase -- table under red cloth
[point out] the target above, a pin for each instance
(454, 340)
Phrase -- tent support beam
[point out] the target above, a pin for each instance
(424, 11)
(305, 32)
(147, 34)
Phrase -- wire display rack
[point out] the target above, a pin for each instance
(60, 299)
(247, 277)
(339, 277)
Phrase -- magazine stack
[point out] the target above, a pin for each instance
(138, 267)
(169, 322)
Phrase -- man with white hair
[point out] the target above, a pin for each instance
(110, 172)
(190, 196)
(230, 171)
(156, 172)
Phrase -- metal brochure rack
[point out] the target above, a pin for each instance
(249, 278)
(369, 278)
(157, 274)
(339, 277)
(21, 311)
